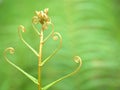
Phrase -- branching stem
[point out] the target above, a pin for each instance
(43, 19)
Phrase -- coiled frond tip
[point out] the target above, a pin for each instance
(21, 27)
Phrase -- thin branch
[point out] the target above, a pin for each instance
(11, 50)
(36, 30)
(50, 33)
(20, 35)
(55, 36)
(77, 59)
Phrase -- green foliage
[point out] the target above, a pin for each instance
(90, 28)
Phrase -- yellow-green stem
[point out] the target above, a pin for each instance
(40, 60)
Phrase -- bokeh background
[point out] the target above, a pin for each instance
(90, 29)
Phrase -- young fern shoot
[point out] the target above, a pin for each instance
(44, 20)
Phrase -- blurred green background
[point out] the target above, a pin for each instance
(90, 29)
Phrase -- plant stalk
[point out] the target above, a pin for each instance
(40, 60)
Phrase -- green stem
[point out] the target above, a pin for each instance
(40, 60)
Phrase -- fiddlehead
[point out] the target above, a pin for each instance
(55, 37)
(35, 21)
(78, 60)
(11, 51)
(21, 27)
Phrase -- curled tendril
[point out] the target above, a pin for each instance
(35, 21)
(55, 36)
(11, 51)
(77, 59)
(51, 33)
(21, 27)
